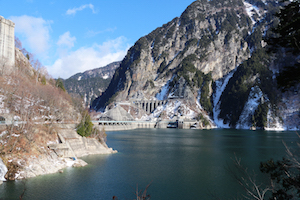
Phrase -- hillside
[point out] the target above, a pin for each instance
(35, 112)
(212, 62)
(92, 83)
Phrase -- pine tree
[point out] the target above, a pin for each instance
(85, 127)
(59, 83)
(287, 35)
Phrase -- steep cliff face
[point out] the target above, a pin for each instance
(208, 36)
(190, 57)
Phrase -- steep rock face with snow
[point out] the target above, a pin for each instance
(211, 58)
(204, 44)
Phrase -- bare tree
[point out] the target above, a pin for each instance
(18, 43)
(139, 194)
(142, 195)
(248, 181)
(3, 65)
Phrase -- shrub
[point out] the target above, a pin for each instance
(85, 127)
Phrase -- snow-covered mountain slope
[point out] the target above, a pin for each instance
(211, 59)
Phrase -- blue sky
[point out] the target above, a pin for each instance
(71, 36)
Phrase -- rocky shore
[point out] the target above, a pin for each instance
(65, 152)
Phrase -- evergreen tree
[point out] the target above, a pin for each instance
(287, 35)
(85, 127)
(59, 83)
(285, 174)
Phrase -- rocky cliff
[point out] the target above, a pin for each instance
(211, 60)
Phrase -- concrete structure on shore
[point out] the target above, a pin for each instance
(117, 118)
(122, 125)
(7, 43)
(129, 125)
(73, 145)
(149, 105)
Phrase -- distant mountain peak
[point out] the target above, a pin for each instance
(90, 84)
(103, 72)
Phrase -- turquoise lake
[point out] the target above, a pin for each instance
(179, 164)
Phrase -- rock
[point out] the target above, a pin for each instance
(13, 169)
(79, 163)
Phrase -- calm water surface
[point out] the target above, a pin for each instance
(179, 164)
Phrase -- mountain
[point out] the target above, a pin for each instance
(90, 84)
(211, 63)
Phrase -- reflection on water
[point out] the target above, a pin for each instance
(181, 164)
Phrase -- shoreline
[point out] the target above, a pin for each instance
(45, 164)
(58, 155)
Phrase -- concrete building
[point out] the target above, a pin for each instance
(7, 42)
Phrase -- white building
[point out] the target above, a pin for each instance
(7, 42)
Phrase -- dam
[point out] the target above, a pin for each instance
(117, 118)
(7, 42)
(130, 125)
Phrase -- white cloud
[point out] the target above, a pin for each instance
(65, 40)
(35, 32)
(92, 33)
(73, 11)
(86, 58)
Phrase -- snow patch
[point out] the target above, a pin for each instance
(273, 123)
(251, 10)
(2, 105)
(174, 108)
(220, 87)
(253, 101)
(198, 100)
(79, 78)
(3, 170)
(106, 76)
(162, 95)
(69, 162)
(15, 135)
